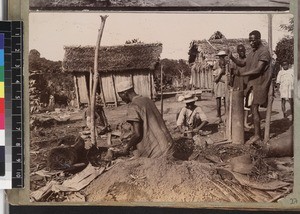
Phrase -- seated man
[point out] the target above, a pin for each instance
(191, 118)
(149, 135)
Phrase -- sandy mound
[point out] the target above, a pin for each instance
(150, 180)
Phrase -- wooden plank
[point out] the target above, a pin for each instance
(102, 91)
(114, 89)
(150, 85)
(90, 84)
(107, 85)
(196, 92)
(76, 91)
(119, 77)
(153, 88)
(83, 90)
(141, 83)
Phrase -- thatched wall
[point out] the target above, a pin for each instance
(113, 58)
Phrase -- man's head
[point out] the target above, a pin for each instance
(189, 100)
(222, 55)
(124, 88)
(241, 50)
(255, 39)
(285, 65)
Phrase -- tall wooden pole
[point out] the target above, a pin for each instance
(228, 106)
(270, 94)
(95, 80)
(161, 91)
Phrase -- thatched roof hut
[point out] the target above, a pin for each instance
(202, 54)
(209, 48)
(116, 63)
(112, 58)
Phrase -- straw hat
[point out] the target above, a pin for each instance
(222, 53)
(124, 85)
(189, 97)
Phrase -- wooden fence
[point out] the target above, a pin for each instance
(202, 77)
(143, 83)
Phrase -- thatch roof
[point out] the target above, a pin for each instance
(209, 48)
(112, 58)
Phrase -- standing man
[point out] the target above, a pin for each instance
(258, 70)
(150, 137)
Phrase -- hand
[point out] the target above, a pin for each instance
(230, 56)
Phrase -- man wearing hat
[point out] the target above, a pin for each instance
(150, 137)
(219, 79)
(191, 117)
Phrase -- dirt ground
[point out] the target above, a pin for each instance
(198, 178)
(154, 3)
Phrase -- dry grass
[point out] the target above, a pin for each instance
(113, 58)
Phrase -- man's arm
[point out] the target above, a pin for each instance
(261, 65)
(180, 120)
(197, 129)
(136, 136)
(238, 62)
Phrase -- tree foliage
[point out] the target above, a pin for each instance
(172, 69)
(38, 63)
(133, 41)
(285, 50)
(288, 27)
(285, 47)
(50, 79)
(217, 35)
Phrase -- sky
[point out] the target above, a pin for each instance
(50, 32)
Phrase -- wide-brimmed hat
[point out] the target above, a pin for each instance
(124, 86)
(189, 97)
(221, 53)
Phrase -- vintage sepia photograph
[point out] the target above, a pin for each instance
(158, 4)
(161, 107)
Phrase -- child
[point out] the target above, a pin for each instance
(285, 81)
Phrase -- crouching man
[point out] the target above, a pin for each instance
(150, 137)
(191, 118)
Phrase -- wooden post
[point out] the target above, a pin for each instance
(237, 116)
(95, 80)
(90, 91)
(161, 91)
(228, 105)
(270, 94)
(115, 91)
(102, 91)
(150, 84)
(76, 91)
